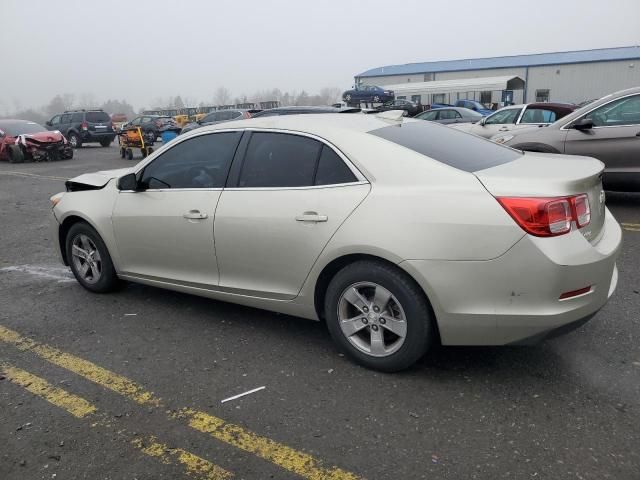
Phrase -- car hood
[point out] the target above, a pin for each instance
(40, 137)
(99, 179)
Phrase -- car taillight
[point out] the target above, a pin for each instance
(548, 216)
(582, 210)
(84, 126)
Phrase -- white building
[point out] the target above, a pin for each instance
(555, 77)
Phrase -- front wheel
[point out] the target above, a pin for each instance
(89, 259)
(378, 316)
(16, 155)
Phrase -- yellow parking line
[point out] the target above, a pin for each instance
(76, 406)
(34, 175)
(81, 408)
(633, 225)
(279, 454)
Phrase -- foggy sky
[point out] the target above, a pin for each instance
(142, 50)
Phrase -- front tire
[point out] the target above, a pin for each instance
(89, 259)
(378, 316)
(16, 155)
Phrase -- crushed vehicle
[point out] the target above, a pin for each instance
(23, 141)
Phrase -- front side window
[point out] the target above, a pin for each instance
(501, 117)
(55, 120)
(66, 118)
(199, 162)
(538, 115)
(279, 160)
(624, 111)
(135, 121)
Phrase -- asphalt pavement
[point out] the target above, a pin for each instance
(130, 385)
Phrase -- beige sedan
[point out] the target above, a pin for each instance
(397, 233)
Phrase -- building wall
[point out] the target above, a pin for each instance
(582, 81)
(566, 83)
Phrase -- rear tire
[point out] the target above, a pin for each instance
(129, 154)
(89, 259)
(105, 143)
(74, 140)
(123, 152)
(404, 321)
(16, 155)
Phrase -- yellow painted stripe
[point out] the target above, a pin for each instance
(195, 465)
(279, 454)
(295, 461)
(33, 175)
(76, 406)
(628, 229)
(84, 368)
(79, 407)
(632, 225)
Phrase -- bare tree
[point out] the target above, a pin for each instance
(68, 99)
(329, 95)
(87, 100)
(222, 96)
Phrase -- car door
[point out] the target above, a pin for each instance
(166, 231)
(286, 196)
(447, 116)
(65, 123)
(615, 136)
(499, 122)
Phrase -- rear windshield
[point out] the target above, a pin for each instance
(98, 117)
(447, 145)
(20, 128)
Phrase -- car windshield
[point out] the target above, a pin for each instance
(447, 145)
(20, 128)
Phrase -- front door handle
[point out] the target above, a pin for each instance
(195, 215)
(311, 217)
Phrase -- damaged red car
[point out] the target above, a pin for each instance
(24, 141)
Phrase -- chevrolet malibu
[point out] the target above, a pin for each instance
(397, 233)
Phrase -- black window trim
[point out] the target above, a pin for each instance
(238, 161)
(158, 153)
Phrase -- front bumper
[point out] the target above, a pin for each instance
(54, 228)
(515, 297)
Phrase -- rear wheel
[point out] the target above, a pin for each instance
(129, 154)
(74, 140)
(105, 143)
(16, 155)
(123, 152)
(89, 259)
(378, 316)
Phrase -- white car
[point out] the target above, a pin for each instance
(397, 233)
(517, 117)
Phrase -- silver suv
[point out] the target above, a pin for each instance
(607, 129)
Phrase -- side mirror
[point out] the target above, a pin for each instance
(48, 123)
(129, 182)
(583, 124)
(482, 121)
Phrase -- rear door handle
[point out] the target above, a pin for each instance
(195, 215)
(311, 217)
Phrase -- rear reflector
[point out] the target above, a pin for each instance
(575, 293)
(547, 216)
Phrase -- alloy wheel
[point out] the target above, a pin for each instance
(86, 259)
(372, 319)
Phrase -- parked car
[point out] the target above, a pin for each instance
(517, 117)
(299, 110)
(217, 117)
(450, 115)
(396, 232)
(151, 125)
(607, 129)
(21, 140)
(368, 94)
(84, 126)
(475, 106)
(411, 108)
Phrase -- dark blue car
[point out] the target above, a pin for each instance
(367, 93)
(475, 106)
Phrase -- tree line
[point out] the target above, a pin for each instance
(221, 96)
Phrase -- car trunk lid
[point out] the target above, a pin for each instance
(551, 175)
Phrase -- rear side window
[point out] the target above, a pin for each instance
(447, 145)
(77, 117)
(332, 170)
(279, 160)
(98, 117)
(538, 115)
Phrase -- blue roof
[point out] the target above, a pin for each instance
(534, 60)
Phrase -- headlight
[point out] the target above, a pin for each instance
(503, 139)
(56, 199)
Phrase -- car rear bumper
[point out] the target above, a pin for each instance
(515, 298)
(97, 136)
